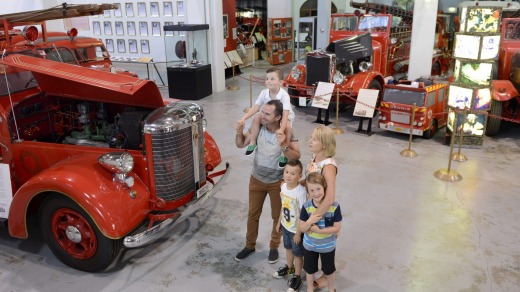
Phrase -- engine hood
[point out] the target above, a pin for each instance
(79, 82)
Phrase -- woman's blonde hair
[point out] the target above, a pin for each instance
(327, 138)
(315, 178)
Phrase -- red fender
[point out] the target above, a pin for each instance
(361, 80)
(212, 157)
(503, 90)
(83, 180)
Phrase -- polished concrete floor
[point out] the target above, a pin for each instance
(403, 229)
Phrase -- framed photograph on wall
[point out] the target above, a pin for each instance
(132, 46)
(169, 33)
(118, 12)
(180, 8)
(225, 23)
(156, 28)
(130, 27)
(129, 9)
(121, 47)
(96, 27)
(143, 28)
(145, 47)
(110, 45)
(167, 8)
(119, 28)
(154, 9)
(108, 27)
(141, 9)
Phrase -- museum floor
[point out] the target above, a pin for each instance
(403, 229)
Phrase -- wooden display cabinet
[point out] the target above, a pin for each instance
(279, 40)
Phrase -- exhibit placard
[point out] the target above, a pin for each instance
(366, 103)
(322, 95)
(6, 193)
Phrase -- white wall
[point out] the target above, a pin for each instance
(278, 8)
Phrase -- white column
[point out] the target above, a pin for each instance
(423, 35)
(323, 25)
(216, 44)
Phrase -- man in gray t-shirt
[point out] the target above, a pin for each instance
(266, 176)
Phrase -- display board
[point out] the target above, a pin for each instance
(476, 49)
(279, 40)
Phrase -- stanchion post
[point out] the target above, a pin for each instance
(234, 86)
(250, 94)
(337, 130)
(448, 174)
(459, 156)
(410, 152)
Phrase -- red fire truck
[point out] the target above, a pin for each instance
(19, 34)
(100, 158)
(364, 50)
(505, 95)
(430, 107)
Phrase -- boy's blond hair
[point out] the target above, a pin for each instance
(326, 136)
(277, 71)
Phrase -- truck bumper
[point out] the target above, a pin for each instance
(151, 234)
(400, 129)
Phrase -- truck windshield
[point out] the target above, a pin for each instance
(62, 55)
(344, 23)
(18, 80)
(404, 96)
(373, 23)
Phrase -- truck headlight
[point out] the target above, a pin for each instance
(338, 78)
(295, 73)
(365, 66)
(117, 162)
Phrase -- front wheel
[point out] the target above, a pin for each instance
(493, 124)
(428, 134)
(374, 84)
(73, 236)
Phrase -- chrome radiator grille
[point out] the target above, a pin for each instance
(173, 163)
(177, 140)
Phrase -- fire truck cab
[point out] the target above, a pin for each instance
(26, 33)
(430, 107)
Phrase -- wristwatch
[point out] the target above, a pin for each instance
(285, 149)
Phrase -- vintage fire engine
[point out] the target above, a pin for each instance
(506, 87)
(364, 50)
(65, 47)
(101, 158)
(430, 107)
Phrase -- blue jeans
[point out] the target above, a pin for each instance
(288, 243)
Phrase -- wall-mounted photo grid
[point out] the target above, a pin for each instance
(131, 28)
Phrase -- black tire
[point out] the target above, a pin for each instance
(428, 134)
(374, 84)
(93, 252)
(293, 96)
(493, 124)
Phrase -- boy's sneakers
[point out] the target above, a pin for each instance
(273, 255)
(282, 272)
(244, 254)
(282, 161)
(294, 283)
(250, 149)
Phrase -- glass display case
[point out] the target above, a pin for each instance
(188, 45)
(187, 56)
